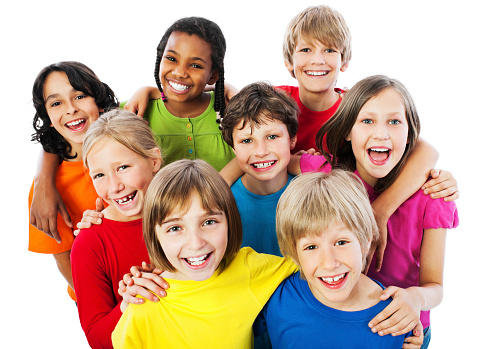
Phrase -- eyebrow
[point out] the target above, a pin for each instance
(176, 219)
(192, 58)
(56, 95)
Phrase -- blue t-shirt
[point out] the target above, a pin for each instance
(296, 319)
(258, 215)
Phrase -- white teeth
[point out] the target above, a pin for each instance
(263, 164)
(75, 123)
(125, 200)
(379, 150)
(178, 87)
(197, 261)
(334, 279)
(316, 73)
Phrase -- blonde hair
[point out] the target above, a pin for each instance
(313, 201)
(171, 190)
(320, 23)
(124, 127)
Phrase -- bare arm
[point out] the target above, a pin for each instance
(412, 177)
(64, 266)
(139, 100)
(46, 201)
(231, 172)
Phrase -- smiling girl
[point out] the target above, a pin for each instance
(122, 157)
(372, 134)
(68, 98)
(192, 230)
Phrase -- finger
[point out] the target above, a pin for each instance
(128, 280)
(99, 205)
(84, 225)
(132, 291)
(382, 316)
(443, 193)
(130, 107)
(32, 219)
(434, 173)
(453, 197)
(53, 229)
(380, 251)
(154, 282)
(64, 214)
(388, 292)
(135, 271)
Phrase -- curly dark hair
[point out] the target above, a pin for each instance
(211, 33)
(83, 79)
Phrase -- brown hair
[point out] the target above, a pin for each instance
(315, 200)
(331, 138)
(171, 190)
(254, 105)
(320, 23)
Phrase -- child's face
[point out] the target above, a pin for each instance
(121, 177)
(263, 153)
(185, 69)
(332, 264)
(195, 241)
(71, 112)
(379, 135)
(315, 65)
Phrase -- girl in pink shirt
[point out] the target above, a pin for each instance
(372, 134)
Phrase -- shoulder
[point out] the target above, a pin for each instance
(313, 163)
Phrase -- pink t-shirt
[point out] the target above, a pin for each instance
(309, 121)
(401, 261)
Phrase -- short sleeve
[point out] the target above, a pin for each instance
(313, 163)
(440, 214)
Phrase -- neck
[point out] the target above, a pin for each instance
(265, 187)
(318, 101)
(189, 109)
(75, 149)
(110, 212)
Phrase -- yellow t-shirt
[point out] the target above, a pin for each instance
(214, 313)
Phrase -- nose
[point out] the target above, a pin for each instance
(261, 149)
(329, 260)
(381, 132)
(115, 185)
(179, 71)
(71, 107)
(195, 240)
(318, 57)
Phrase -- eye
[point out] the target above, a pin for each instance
(394, 122)
(122, 167)
(174, 229)
(330, 50)
(272, 136)
(246, 141)
(367, 121)
(170, 58)
(210, 222)
(341, 242)
(55, 104)
(97, 175)
(80, 96)
(195, 65)
(310, 247)
(306, 49)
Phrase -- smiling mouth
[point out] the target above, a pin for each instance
(178, 87)
(262, 165)
(125, 200)
(197, 261)
(76, 125)
(316, 72)
(379, 154)
(333, 281)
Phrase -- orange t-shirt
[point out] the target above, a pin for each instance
(77, 191)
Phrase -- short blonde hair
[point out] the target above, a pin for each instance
(171, 190)
(315, 200)
(320, 23)
(124, 127)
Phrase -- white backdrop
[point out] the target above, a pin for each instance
(438, 49)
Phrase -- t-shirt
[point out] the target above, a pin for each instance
(78, 193)
(401, 260)
(100, 257)
(214, 313)
(309, 121)
(189, 138)
(258, 215)
(296, 319)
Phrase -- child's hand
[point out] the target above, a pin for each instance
(415, 341)
(442, 185)
(311, 151)
(401, 315)
(141, 281)
(91, 217)
(139, 101)
(46, 203)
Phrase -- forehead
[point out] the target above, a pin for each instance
(107, 151)
(262, 122)
(56, 82)
(332, 231)
(313, 40)
(188, 45)
(387, 101)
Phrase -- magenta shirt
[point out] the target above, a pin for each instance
(401, 261)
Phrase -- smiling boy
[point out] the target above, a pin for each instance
(326, 225)
(316, 48)
(260, 124)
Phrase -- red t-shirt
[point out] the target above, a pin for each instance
(309, 121)
(100, 257)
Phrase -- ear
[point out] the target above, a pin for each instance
(349, 137)
(290, 68)
(214, 77)
(156, 160)
(293, 142)
(344, 67)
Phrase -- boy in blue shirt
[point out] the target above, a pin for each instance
(326, 225)
(260, 124)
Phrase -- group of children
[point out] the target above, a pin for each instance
(311, 274)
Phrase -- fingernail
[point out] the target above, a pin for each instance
(99, 220)
(416, 333)
(381, 333)
(370, 325)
